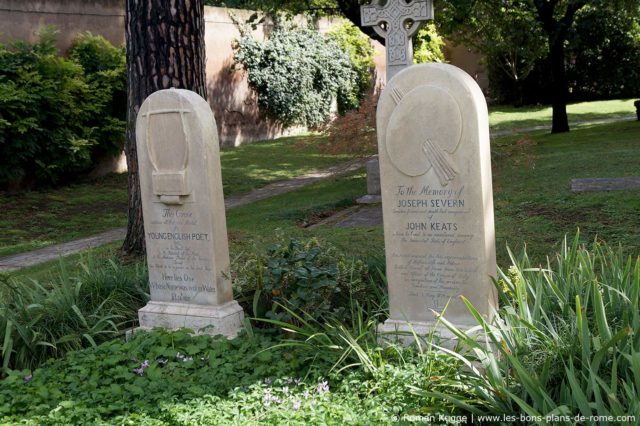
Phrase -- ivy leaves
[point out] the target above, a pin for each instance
(297, 74)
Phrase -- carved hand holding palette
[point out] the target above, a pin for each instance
(414, 150)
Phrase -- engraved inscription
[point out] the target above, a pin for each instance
(436, 198)
(178, 255)
(433, 232)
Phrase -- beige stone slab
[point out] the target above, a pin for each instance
(184, 212)
(605, 184)
(225, 319)
(433, 143)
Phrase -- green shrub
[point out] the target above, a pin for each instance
(358, 46)
(305, 277)
(564, 342)
(53, 114)
(428, 45)
(297, 74)
(106, 74)
(39, 321)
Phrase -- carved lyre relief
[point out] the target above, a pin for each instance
(167, 141)
(420, 137)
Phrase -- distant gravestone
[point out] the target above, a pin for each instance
(437, 200)
(184, 216)
(605, 184)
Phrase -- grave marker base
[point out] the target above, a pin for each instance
(226, 319)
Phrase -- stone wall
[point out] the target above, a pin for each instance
(23, 19)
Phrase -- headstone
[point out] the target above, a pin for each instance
(437, 199)
(373, 183)
(397, 21)
(605, 184)
(184, 216)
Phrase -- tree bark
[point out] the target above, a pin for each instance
(559, 85)
(165, 49)
(557, 31)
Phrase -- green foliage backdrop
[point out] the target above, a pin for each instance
(602, 47)
(56, 113)
(297, 74)
(358, 46)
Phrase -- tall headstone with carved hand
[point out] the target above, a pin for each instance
(437, 199)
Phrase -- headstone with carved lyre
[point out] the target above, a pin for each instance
(397, 22)
(184, 217)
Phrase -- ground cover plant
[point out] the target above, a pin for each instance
(334, 372)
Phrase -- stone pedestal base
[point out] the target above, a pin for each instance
(403, 332)
(373, 183)
(225, 319)
(369, 199)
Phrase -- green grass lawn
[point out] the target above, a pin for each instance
(508, 117)
(533, 201)
(254, 165)
(37, 219)
(283, 215)
(41, 218)
(534, 205)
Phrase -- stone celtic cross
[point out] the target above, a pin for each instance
(397, 21)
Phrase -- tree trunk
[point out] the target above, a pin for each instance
(559, 85)
(165, 49)
(557, 30)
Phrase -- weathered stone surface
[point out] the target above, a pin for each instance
(437, 200)
(373, 183)
(363, 217)
(373, 176)
(605, 184)
(185, 224)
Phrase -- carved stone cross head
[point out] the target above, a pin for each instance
(397, 21)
